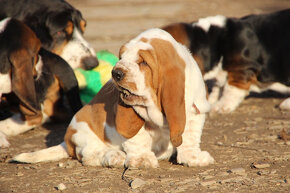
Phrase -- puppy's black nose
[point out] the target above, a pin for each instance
(117, 74)
(88, 63)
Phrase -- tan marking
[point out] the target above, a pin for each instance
(238, 74)
(50, 105)
(58, 49)
(68, 141)
(83, 25)
(69, 28)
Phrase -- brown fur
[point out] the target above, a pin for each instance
(167, 80)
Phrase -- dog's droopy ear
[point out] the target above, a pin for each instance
(173, 104)
(128, 122)
(22, 79)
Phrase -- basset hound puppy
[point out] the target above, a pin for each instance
(242, 55)
(33, 82)
(154, 105)
(58, 25)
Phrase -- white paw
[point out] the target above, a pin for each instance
(194, 158)
(3, 141)
(147, 160)
(222, 108)
(114, 158)
(285, 105)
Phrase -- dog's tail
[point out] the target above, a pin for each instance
(53, 153)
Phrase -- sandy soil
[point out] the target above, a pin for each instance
(247, 146)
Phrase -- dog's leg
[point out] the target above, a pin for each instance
(231, 98)
(53, 153)
(138, 150)
(14, 125)
(189, 153)
(3, 141)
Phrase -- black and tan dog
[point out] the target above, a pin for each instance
(33, 81)
(58, 25)
(242, 54)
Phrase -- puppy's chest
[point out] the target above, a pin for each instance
(152, 115)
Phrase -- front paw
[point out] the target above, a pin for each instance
(114, 158)
(147, 160)
(222, 108)
(3, 141)
(194, 158)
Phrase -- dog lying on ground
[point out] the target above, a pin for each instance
(33, 81)
(154, 106)
(242, 55)
(58, 25)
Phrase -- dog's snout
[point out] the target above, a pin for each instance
(89, 63)
(117, 74)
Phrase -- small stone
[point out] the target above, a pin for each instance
(208, 183)
(223, 174)
(239, 171)
(61, 186)
(136, 183)
(19, 174)
(260, 166)
(60, 164)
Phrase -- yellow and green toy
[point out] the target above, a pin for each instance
(91, 81)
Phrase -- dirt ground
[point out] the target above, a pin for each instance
(247, 146)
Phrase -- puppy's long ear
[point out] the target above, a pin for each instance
(173, 104)
(22, 79)
(128, 122)
(171, 87)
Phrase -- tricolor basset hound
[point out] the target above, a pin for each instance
(33, 81)
(154, 105)
(58, 25)
(241, 54)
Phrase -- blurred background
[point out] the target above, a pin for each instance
(110, 23)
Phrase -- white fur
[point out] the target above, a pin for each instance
(77, 49)
(14, 125)
(285, 105)
(152, 142)
(39, 67)
(231, 98)
(207, 22)
(3, 23)
(3, 141)
(44, 155)
(5, 84)
(220, 77)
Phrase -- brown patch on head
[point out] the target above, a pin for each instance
(178, 32)
(83, 25)
(68, 141)
(171, 86)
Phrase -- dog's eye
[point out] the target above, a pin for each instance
(144, 63)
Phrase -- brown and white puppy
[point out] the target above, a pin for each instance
(154, 106)
(58, 25)
(33, 81)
